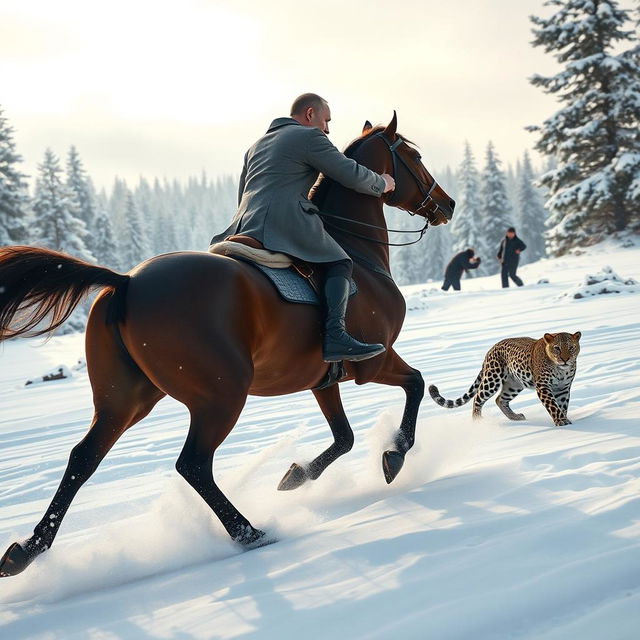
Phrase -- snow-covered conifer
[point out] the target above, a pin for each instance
(449, 181)
(13, 190)
(595, 189)
(118, 206)
(134, 247)
(403, 266)
(466, 220)
(532, 215)
(495, 212)
(437, 251)
(82, 190)
(56, 220)
(105, 245)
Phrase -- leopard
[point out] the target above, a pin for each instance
(547, 365)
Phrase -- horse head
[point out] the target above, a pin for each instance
(416, 190)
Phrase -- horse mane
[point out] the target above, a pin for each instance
(321, 187)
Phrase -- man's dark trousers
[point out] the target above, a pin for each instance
(509, 271)
(451, 282)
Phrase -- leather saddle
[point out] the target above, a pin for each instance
(248, 248)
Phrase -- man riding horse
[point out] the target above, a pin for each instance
(273, 208)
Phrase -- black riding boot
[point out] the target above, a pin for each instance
(337, 343)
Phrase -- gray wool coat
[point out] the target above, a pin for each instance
(279, 170)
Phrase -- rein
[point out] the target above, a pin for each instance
(422, 231)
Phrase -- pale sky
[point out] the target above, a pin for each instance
(168, 88)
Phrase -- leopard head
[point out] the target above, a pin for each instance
(562, 348)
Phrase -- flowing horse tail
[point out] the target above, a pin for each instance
(40, 288)
(458, 402)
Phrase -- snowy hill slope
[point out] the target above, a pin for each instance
(494, 529)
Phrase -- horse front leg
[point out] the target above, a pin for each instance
(331, 405)
(398, 373)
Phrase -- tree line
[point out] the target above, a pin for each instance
(131, 223)
(591, 182)
(118, 229)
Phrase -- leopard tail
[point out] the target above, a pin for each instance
(458, 402)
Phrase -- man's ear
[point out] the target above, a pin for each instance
(391, 128)
(367, 127)
(548, 338)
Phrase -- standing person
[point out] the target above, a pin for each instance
(460, 263)
(509, 255)
(278, 172)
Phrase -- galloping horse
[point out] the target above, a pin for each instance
(208, 330)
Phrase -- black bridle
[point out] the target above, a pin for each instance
(427, 198)
(426, 195)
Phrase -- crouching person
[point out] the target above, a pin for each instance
(461, 262)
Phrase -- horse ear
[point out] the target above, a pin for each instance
(390, 129)
(367, 127)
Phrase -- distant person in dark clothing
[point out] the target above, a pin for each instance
(460, 263)
(509, 254)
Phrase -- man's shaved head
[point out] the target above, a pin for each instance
(306, 100)
(310, 110)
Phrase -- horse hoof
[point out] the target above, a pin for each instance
(14, 561)
(295, 477)
(254, 538)
(262, 541)
(392, 462)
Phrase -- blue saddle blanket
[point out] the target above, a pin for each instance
(292, 286)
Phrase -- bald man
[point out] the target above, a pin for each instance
(273, 208)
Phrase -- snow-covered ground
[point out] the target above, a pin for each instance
(496, 529)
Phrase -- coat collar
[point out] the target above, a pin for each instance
(282, 122)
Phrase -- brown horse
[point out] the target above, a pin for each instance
(209, 330)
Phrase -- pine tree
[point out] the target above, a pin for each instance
(145, 201)
(532, 215)
(403, 267)
(13, 190)
(595, 189)
(512, 182)
(495, 210)
(134, 247)
(118, 206)
(633, 56)
(437, 252)
(105, 245)
(82, 190)
(465, 225)
(449, 182)
(56, 220)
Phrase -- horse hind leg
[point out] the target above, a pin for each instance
(108, 424)
(123, 395)
(331, 405)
